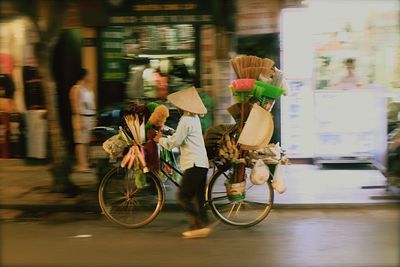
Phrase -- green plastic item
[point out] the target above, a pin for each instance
(262, 90)
(152, 106)
(240, 96)
(235, 198)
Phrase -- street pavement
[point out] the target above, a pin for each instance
(333, 217)
(25, 186)
(317, 237)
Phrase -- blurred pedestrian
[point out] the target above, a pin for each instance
(350, 80)
(193, 159)
(83, 118)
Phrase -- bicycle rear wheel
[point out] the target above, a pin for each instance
(125, 204)
(250, 211)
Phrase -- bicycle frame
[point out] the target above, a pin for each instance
(128, 197)
(169, 177)
(180, 173)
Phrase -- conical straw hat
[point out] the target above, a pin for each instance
(188, 100)
(258, 129)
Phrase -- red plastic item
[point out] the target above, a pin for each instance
(241, 85)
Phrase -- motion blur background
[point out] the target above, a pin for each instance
(171, 45)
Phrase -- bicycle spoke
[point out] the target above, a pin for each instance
(256, 203)
(220, 198)
(230, 212)
(255, 206)
(127, 205)
(222, 192)
(240, 205)
(118, 208)
(120, 200)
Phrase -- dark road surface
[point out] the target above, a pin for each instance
(366, 237)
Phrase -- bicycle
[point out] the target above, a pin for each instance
(124, 203)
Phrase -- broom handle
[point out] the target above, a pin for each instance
(241, 117)
(240, 168)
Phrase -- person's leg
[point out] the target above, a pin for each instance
(202, 219)
(189, 187)
(81, 156)
(84, 137)
(193, 186)
(79, 140)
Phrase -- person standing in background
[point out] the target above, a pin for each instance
(83, 118)
(350, 80)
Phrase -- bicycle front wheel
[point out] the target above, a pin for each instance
(127, 205)
(251, 210)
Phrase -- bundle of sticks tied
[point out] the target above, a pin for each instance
(137, 127)
(252, 67)
(136, 152)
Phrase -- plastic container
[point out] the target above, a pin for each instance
(236, 191)
(241, 85)
(262, 89)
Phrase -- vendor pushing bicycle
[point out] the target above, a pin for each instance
(193, 159)
(240, 190)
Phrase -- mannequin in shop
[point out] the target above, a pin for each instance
(83, 118)
(350, 80)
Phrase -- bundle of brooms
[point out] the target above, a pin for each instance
(248, 67)
(252, 67)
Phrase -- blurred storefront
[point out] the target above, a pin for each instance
(153, 48)
(148, 49)
(21, 95)
(171, 42)
(332, 114)
(23, 111)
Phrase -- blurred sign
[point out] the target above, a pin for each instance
(297, 119)
(117, 12)
(112, 53)
(161, 19)
(257, 16)
(159, 12)
(164, 7)
(158, 6)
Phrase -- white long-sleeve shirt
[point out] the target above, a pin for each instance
(189, 138)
